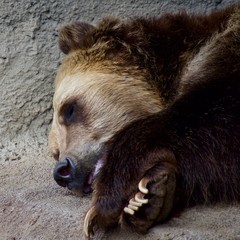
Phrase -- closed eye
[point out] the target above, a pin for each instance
(72, 112)
(68, 113)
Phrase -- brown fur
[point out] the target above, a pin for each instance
(152, 96)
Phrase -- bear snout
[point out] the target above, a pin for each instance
(80, 178)
(64, 173)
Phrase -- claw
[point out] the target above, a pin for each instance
(128, 211)
(142, 186)
(139, 198)
(134, 208)
(134, 203)
(86, 225)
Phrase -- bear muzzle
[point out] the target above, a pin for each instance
(67, 175)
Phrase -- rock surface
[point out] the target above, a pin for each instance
(32, 206)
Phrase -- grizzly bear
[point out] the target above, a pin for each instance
(147, 115)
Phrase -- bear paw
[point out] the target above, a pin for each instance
(152, 203)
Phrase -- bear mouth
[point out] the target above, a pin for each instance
(87, 186)
(67, 175)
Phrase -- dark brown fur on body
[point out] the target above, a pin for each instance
(192, 63)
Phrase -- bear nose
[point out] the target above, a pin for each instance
(64, 172)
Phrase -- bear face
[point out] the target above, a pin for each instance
(92, 101)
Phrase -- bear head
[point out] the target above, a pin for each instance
(100, 88)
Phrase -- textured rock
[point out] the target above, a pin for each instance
(32, 206)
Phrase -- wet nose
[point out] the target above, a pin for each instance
(64, 172)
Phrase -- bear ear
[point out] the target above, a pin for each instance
(72, 36)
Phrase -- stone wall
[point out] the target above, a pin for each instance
(29, 55)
